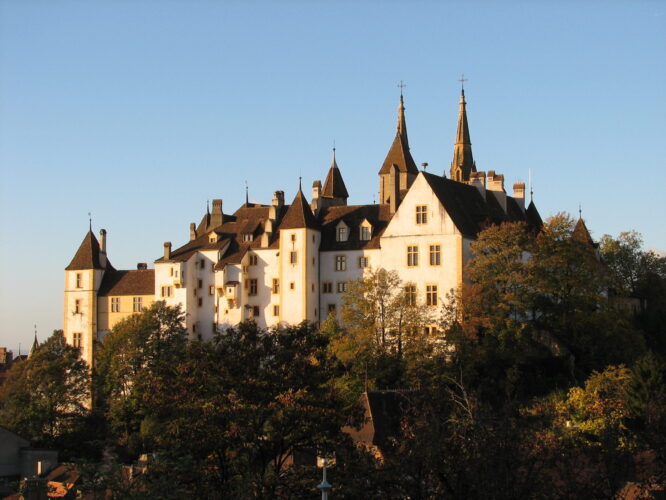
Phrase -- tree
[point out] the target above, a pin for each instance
(45, 398)
(140, 346)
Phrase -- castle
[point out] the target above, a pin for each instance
(285, 263)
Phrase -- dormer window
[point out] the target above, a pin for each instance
(212, 238)
(366, 233)
(248, 237)
(341, 232)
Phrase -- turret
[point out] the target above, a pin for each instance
(463, 162)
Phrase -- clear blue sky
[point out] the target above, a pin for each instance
(141, 111)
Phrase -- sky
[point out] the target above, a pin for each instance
(140, 111)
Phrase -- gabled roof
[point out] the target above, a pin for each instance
(532, 217)
(353, 216)
(334, 186)
(581, 234)
(299, 214)
(134, 282)
(87, 256)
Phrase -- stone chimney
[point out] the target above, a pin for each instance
(217, 216)
(278, 199)
(478, 180)
(315, 204)
(519, 194)
(193, 231)
(495, 183)
(142, 266)
(102, 240)
(167, 250)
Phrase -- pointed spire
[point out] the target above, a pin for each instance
(399, 154)
(402, 125)
(334, 185)
(299, 214)
(463, 162)
(87, 256)
(581, 234)
(35, 344)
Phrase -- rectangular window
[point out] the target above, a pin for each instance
(435, 255)
(199, 282)
(253, 287)
(365, 233)
(340, 263)
(410, 295)
(421, 214)
(115, 304)
(430, 331)
(137, 304)
(431, 295)
(331, 308)
(293, 237)
(341, 234)
(276, 310)
(255, 311)
(363, 262)
(292, 285)
(166, 291)
(77, 306)
(76, 339)
(413, 255)
(79, 280)
(342, 286)
(276, 286)
(211, 290)
(293, 257)
(253, 260)
(327, 287)
(202, 263)
(200, 301)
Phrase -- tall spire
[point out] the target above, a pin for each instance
(334, 186)
(463, 162)
(402, 125)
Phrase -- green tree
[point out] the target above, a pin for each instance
(46, 397)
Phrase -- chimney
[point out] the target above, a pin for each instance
(193, 231)
(217, 216)
(519, 194)
(102, 240)
(142, 266)
(478, 180)
(167, 250)
(278, 199)
(495, 183)
(316, 194)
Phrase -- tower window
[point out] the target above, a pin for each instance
(276, 285)
(253, 260)
(293, 257)
(79, 280)
(77, 306)
(413, 255)
(421, 214)
(166, 291)
(77, 339)
(276, 310)
(253, 287)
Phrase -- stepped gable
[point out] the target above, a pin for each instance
(133, 282)
(377, 215)
(87, 256)
(299, 214)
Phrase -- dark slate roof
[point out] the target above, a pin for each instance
(532, 217)
(87, 256)
(377, 215)
(399, 156)
(334, 186)
(299, 214)
(581, 234)
(135, 282)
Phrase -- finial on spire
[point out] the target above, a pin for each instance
(89, 221)
(299, 182)
(401, 86)
(530, 182)
(462, 81)
(580, 211)
(247, 196)
(207, 207)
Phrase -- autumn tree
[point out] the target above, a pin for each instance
(46, 397)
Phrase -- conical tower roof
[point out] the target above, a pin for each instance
(87, 256)
(334, 186)
(299, 214)
(399, 154)
(463, 161)
(581, 233)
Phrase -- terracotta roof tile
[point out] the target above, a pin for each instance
(87, 256)
(299, 214)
